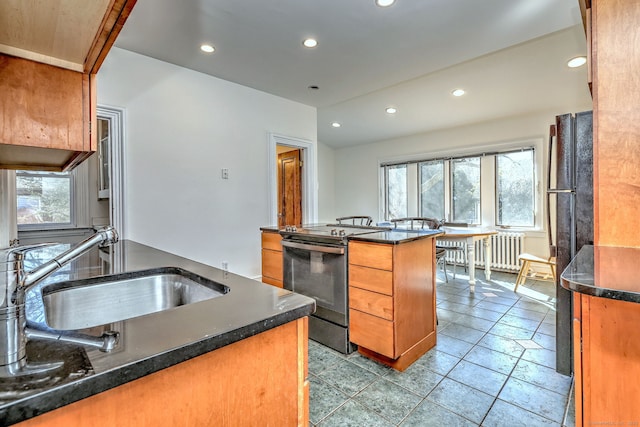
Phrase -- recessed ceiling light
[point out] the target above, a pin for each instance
(310, 43)
(385, 3)
(207, 48)
(391, 110)
(577, 61)
(458, 92)
(336, 124)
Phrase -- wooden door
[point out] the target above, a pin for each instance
(289, 188)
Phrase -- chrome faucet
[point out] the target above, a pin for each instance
(14, 284)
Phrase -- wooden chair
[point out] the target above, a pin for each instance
(526, 272)
(528, 260)
(418, 223)
(356, 220)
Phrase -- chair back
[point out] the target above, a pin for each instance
(355, 220)
(418, 223)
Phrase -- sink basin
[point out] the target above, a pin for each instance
(101, 300)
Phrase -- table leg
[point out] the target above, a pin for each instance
(487, 258)
(471, 264)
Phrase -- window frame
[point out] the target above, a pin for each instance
(445, 191)
(450, 213)
(488, 189)
(386, 188)
(533, 189)
(71, 176)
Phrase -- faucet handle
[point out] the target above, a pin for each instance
(109, 235)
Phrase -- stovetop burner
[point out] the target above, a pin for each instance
(327, 232)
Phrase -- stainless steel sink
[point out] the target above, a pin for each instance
(97, 301)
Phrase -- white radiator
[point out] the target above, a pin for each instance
(505, 249)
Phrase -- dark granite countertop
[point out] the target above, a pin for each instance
(395, 237)
(604, 271)
(147, 343)
(391, 236)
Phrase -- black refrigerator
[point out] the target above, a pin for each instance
(571, 157)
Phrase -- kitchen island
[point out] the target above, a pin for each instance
(606, 341)
(376, 284)
(233, 359)
(392, 295)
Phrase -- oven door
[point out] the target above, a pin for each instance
(318, 271)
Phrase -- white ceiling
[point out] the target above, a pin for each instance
(509, 55)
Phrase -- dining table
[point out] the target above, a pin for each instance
(469, 236)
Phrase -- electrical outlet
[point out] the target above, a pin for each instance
(225, 265)
(225, 173)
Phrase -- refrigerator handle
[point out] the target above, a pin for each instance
(552, 134)
(552, 247)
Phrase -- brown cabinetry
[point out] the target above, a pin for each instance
(272, 258)
(606, 341)
(392, 315)
(606, 368)
(615, 31)
(232, 386)
(49, 56)
(43, 107)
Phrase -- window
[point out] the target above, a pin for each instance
(432, 196)
(515, 189)
(496, 188)
(396, 184)
(465, 190)
(44, 198)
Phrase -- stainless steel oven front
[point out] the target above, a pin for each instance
(319, 270)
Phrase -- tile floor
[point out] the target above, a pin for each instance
(494, 365)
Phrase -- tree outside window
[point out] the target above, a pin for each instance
(465, 191)
(515, 189)
(43, 198)
(449, 188)
(432, 189)
(396, 177)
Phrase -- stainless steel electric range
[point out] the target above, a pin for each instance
(316, 265)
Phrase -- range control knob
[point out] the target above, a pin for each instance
(334, 232)
(342, 233)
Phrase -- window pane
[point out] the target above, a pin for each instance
(432, 189)
(43, 198)
(465, 190)
(515, 189)
(396, 191)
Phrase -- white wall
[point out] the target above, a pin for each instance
(326, 184)
(357, 168)
(183, 127)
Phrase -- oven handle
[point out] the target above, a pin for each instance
(315, 248)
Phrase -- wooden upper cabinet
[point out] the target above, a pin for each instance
(615, 29)
(49, 55)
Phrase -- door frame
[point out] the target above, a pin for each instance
(309, 177)
(116, 118)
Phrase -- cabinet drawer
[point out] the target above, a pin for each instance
(272, 282)
(271, 241)
(371, 332)
(371, 302)
(371, 255)
(272, 264)
(371, 279)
